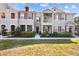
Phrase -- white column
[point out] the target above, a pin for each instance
(0, 27)
(52, 22)
(67, 28)
(8, 27)
(32, 27)
(33, 22)
(73, 29)
(42, 17)
(56, 16)
(25, 27)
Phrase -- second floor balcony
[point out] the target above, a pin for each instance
(47, 18)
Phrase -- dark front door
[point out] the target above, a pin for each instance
(37, 29)
(70, 29)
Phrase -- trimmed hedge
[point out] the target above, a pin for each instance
(45, 35)
(4, 33)
(22, 34)
(55, 34)
(27, 34)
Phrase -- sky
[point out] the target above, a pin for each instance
(67, 7)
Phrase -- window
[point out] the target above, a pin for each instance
(28, 16)
(59, 28)
(65, 16)
(21, 15)
(61, 16)
(37, 20)
(3, 27)
(25, 16)
(3, 15)
(12, 27)
(46, 14)
(65, 28)
(22, 27)
(70, 29)
(29, 27)
(12, 15)
(54, 9)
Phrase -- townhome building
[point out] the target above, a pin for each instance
(56, 20)
(10, 19)
(49, 20)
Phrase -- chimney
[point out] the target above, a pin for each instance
(26, 8)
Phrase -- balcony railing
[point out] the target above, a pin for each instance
(47, 20)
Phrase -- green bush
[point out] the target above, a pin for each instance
(55, 34)
(17, 32)
(11, 33)
(27, 34)
(63, 34)
(8, 33)
(45, 35)
(4, 33)
(66, 34)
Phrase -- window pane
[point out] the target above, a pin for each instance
(12, 27)
(22, 27)
(3, 27)
(12, 15)
(29, 27)
(3, 15)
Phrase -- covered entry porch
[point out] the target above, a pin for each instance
(47, 28)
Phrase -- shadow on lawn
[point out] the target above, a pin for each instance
(6, 44)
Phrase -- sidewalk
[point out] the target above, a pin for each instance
(37, 37)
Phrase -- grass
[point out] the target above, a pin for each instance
(57, 47)
(6, 44)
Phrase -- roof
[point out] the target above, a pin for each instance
(7, 7)
(26, 11)
(57, 10)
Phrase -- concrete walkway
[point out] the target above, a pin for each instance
(37, 37)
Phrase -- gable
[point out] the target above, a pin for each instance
(7, 10)
(47, 11)
(57, 10)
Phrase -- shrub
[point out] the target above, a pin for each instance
(63, 34)
(8, 34)
(27, 34)
(55, 34)
(16, 33)
(0, 32)
(4, 33)
(45, 35)
(11, 33)
(66, 34)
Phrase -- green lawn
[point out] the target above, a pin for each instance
(57, 47)
(6, 44)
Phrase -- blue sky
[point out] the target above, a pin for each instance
(67, 7)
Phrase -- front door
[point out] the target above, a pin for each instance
(37, 29)
(70, 29)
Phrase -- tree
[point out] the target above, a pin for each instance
(77, 24)
(17, 32)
